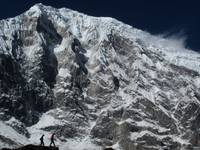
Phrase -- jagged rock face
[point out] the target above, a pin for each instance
(26, 83)
(101, 79)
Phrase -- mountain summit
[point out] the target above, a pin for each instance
(95, 83)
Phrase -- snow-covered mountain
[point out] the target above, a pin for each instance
(95, 82)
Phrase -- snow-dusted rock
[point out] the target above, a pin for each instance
(96, 82)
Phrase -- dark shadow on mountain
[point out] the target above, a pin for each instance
(49, 61)
(80, 58)
(79, 73)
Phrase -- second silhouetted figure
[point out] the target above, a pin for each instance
(52, 139)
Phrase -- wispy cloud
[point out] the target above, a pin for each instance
(168, 40)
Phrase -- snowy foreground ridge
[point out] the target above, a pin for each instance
(95, 83)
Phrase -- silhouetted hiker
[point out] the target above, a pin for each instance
(52, 140)
(42, 140)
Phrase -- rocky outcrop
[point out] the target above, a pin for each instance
(33, 147)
